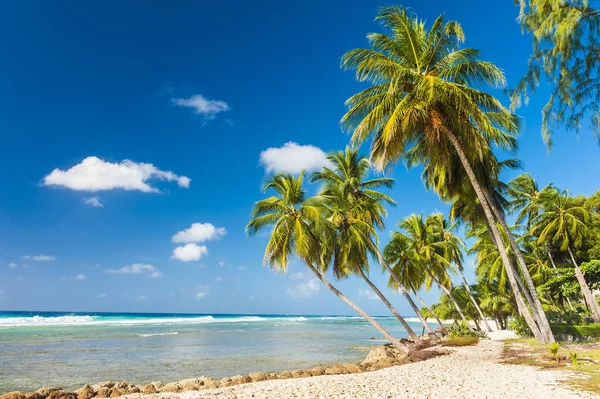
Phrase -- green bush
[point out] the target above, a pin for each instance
(460, 341)
(462, 330)
(567, 317)
(587, 330)
(519, 325)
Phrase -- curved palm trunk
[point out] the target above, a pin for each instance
(429, 309)
(496, 234)
(387, 303)
(542, 320)
(466, 285)
(402, 288)
(449, 293)
(585, 290)
(402, 348)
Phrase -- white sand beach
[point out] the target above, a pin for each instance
(470, 372)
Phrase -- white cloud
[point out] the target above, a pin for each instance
(142, 297)
(202, 291)
(293, 158)
(137, 268)
(102, 296)
(202, 106)
(189, 252)
(370, 295)
(218, 279)
(94, 202)
(39, 258)
(199, 232)
(94, 174)
(305, 289)
(221, 263)
(80, 277)
(297, 276)
(12, 265)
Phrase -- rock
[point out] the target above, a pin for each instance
(85, 392)
(226, 382)
(301, 374)
(284, 375)
(315, 371)
(122, 385)
(171, 387)
(116, 392)
(353, 367)
(133, 389)
(272, 376)
(191, 384)
(62, 394)
(47, 391)
(337, 369)
(258, 376)
(13, 395)
(103, 393)
(157, 385)
(108, 384)
(241, 379)
(148, 388)
(34, 395)
(211, 384)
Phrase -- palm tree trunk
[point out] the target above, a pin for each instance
(397, 344)
(429, 309)
(449, 293)
(466, 285)
(585, 290)
(494, 231)
(401, 287)
(542, 320)
(387, 303)
(570, 304)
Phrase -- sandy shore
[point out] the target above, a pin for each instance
(470, 372)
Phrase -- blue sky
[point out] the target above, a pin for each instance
(196, 90)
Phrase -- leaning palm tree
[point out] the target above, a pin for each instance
(453, 253)
(565, 226)
(351, 218)
(299, 228)
(423, 93)
(525, 198)
(349, 177)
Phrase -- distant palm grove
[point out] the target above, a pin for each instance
(536, 249)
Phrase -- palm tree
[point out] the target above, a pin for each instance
(354, 210)
(409, 273)
(565, 226)
(299, 228)
(349, 175)
(452, 248)
(525, 198)
(423, 93)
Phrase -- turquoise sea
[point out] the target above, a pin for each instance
(72, 349)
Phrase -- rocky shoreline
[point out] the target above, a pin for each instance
(378, 358)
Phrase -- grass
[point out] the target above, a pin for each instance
(586, 375)
(460, 341)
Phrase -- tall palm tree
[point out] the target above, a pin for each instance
(525, 199)
(350, 176)
(423, 93)
(354, 211)
(565, 226)
(453, 248)
(299, 228)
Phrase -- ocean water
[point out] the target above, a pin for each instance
(71, 349)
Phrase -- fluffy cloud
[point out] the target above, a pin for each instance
(137, 268)
(12, 265)
(190, 252)
(202, 106)
(293, 158)
(102, 296)
(370, 295)
(80, 277)
(39, 258)
(94, 174)
(305, 289)
(202, 292)
(199, 232)
(94, 202)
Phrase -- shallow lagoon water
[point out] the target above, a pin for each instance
(71, 349)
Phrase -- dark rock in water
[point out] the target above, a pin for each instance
(301, 374)
(13, 395)
(284, 375)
